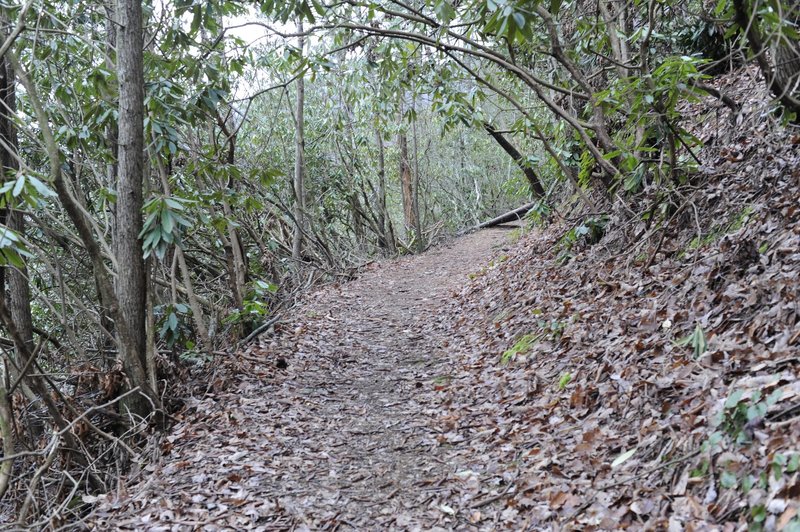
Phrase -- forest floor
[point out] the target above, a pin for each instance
(337, 422)
(526, 380)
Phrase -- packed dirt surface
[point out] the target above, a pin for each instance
(332, 422)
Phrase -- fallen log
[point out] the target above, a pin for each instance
(534, 180)
(510, 216)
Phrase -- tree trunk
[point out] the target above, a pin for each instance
(7, 433)
(511, 216)
(787, 52)
(776, 81)
(234, 251)
(197, 309)
(407, 189)
(19, 297)
(385, 238)
(106, 342)
(19, 291)
(420, 239)
(534, 182)
(236, 258)
(131, 288)
(9, 165)
(20, 294)
(406, 185)
(299, 163)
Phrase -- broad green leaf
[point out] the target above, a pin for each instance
(41, 188)
(19, 186)
(734, 398)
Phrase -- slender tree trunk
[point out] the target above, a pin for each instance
(111, 130)
(179, 260)
(420, 239)
(19, 291)
(19, 297)
(382, 243)
(614, 41)
(406, 184)
(7, 433)
(787, 51)
(106, 344)
(299, 163)
(236, 257)
(197, 309)
(775, 81)
(385, 239)
(534, 182)
(359, 222)
(8, 149)
(131, 279)
(237, 264)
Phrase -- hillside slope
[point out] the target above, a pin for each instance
(650, 380)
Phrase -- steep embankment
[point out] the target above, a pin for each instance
(651, 380)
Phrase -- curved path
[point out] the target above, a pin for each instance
(350, 436)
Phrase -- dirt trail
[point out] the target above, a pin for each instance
(345, 437)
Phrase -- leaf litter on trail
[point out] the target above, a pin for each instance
(347, 434)
(448, 392)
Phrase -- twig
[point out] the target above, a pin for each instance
(23, 513)
(272, 321)
(490, 500)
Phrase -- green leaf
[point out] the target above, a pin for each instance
(11, 257)
(196, 19)
(19, 186)
(444, 11)
(756, 411)
(167, 222)
(699, 341)
(728, 480)
(758, 513)
(774, 397)
(733, 399)
(11, 249)
(175, 204)
(41, 188)
(747, 483)
(794, 463)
